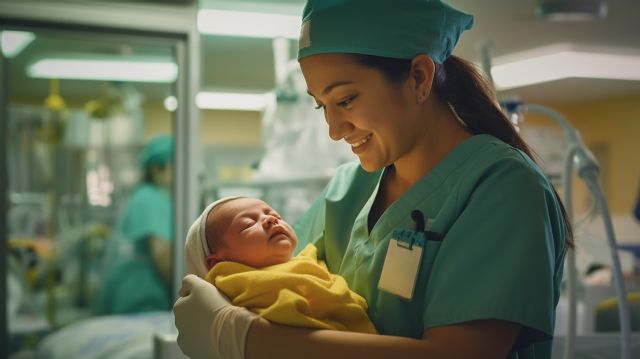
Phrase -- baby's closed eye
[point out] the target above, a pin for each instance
(245, 224)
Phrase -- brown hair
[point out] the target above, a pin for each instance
(460, 84)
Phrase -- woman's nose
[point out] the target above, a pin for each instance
(338, 127)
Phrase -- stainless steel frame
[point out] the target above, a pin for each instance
(4, 332)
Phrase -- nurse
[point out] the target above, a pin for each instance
(138, 279)
(446, 226)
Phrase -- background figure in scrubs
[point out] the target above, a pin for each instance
(446, 226)
(139, 272)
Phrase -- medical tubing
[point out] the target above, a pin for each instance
(567, 183)
(623, 304)
(588, 172)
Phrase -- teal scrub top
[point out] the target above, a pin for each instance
(501, 254)
(133, 284)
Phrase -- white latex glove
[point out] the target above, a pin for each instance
(208, 325)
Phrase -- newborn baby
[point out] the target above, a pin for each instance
(243, 247)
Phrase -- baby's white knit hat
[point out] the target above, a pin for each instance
(196, 249)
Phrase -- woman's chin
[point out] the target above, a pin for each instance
(370, 166)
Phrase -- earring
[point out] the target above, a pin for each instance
(421, 97)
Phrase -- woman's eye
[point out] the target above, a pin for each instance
(347, 102)
(344, 103)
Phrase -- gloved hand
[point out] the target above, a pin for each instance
(208, 325)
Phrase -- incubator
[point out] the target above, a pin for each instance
(67, 179)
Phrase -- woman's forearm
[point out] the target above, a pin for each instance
(267, 340)
(479, 339)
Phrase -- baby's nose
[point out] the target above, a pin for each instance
(270, 221)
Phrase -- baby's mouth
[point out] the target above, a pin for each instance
(277, 232)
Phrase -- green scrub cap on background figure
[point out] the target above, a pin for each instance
(389, 28)
(158, 151)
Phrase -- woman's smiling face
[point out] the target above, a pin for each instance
(362, 107)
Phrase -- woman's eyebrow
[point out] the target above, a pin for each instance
(332, 86)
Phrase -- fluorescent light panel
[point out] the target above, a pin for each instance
(248, 24)
(234, 101)
(112, 69)
(538, 66)
(12, 42)
(572, 10)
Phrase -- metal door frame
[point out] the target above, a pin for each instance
(176, 23)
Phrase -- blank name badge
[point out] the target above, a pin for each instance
(400, 268)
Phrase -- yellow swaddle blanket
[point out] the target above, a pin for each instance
(300, 292)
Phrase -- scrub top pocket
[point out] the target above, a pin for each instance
(389, 307)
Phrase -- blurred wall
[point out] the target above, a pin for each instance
(611, 129)
(219, 128)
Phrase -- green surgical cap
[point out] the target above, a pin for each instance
(158, 151)
(389, 28)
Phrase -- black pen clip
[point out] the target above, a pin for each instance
(418, 218)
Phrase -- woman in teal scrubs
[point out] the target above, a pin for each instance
(446, 225)
(139, 274)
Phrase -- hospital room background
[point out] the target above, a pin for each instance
(84, 85)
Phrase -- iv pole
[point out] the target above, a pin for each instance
(582, 160)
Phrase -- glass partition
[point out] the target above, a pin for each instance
(88, 123)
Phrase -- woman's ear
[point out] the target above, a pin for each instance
(423, 70)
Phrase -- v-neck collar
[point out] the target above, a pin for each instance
(395, 213)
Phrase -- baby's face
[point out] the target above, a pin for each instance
(255, 233)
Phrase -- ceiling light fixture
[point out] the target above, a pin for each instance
(558, 62)
(248, 24)
(12, 42)
(571, 10)
(108, 68)
(234, 101)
